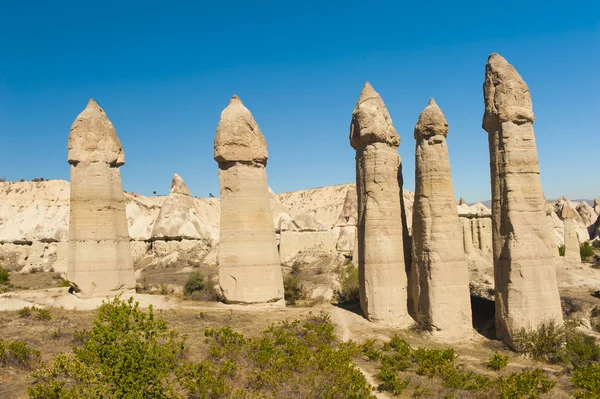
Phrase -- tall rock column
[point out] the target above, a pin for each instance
(524, 270)
(442, 300)
(99, 257)
(572, 251)
(382, 275)
(249, 267)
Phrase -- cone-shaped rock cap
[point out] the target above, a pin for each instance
(505, 94)
(238, 137)
(371, 121)
(93, 138)
(431, 122)
(462, 201)
(179, 187)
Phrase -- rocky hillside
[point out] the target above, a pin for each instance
(310, 224)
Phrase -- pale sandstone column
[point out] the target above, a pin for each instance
(382, 275)
(443, 305)
(572, 251)
(525, 276)
(99, 259)
(249, 267)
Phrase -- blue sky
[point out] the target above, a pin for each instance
(163, 71)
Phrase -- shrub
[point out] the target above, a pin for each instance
(555, 343)
(348, 291)
(498, 362)
(3, 276)
(194, 283)
(547, 343)
(561, 250)
(18, 354)
(528, 384)
(128, 353)
(586, 250)
(293, 289)
(587, 381)
(38, 313)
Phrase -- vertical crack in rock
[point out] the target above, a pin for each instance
(99, 254)
(439, 275)
(382, 274)
(249, 266)
(521, 245)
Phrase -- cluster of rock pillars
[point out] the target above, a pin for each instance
(424, 280)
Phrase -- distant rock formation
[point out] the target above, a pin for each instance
(524, 267)
(382, 276)
(249, 266)
(568, 214)
(440, 279)
(99, 255)
(179, 217)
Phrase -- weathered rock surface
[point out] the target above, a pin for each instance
(179, 217)
(569, 213)
(524, 268)
(440, 279)
(99, 253)
(249, 265)
(382, 276)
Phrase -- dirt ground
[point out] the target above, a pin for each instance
(192, 318)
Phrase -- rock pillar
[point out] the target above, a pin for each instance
(572, 251)
(249, 267)
(382, 275)
(99, 255)
(524, 270)
(443, 303)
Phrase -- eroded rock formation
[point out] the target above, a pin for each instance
(440, 279)
(568, 214)
(249, 267)
(382, 276)
(525, 276)
(99, 253)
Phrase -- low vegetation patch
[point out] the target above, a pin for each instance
(586, 251)
(586, 381)
(196, 288)
(348, 291)
(129, 353)
(397, 359)
(4, 279)
(558, 343)
(18, 354)
(498, 362)
(37, 313)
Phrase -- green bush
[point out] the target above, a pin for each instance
(38, 313)
(547, 343)
(18, 354)
(587, 381)
(197, 288)
(586, 250)
(128, 353)
(194, 283)
(3, 276)
(556, 343)
(293, 289)
(498, 362)
(561, 250)
(528, 384)
(348, 291)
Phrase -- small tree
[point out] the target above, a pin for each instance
(586, 250)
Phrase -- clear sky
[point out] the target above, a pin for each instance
(163, 71)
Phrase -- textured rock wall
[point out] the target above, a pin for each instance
(525, 276)
(249, 264)
(99, 252)
(382, 275)
(440, 279)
